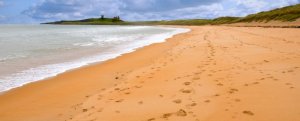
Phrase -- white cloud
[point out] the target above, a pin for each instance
(50, 10)
(246, 7)
(129, 9)
(73, 9)
(1, 3)
(2, 17)
(225, 8)
(282, 3)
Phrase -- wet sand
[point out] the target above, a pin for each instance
(213, 73)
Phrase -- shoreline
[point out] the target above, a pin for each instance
(69, 65)
(36, 85)
(210, 73)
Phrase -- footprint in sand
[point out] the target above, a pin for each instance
(181, 112)
(262, 79)
(185, 91)
(231, 91)
(288, 84)
(192, 104)
(161, 96)
(216, 95)
(207, 101)
(167, 115)
(151, 119)
(248, 113)
(237, 100)
(100, 110)
(187, 83)
(118, 101)
(84, 110)
(196, 78)
(220, 84)
(178, 101)
(138, 86)
(140, 102)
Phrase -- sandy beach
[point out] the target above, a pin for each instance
(212, 73)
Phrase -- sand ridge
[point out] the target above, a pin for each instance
(213, 73)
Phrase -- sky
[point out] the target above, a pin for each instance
(37, 11)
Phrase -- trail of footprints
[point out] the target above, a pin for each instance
(189, 88)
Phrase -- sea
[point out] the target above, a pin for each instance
(30, 53)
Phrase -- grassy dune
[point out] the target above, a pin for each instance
(290, 13)
(285, 14)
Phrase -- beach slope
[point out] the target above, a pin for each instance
(213, 73)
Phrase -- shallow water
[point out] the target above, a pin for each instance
(34, 52)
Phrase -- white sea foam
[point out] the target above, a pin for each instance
(84, 44)
(105, 46)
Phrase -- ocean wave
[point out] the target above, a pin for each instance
(130, 44)
(84, 44)
(11, 57)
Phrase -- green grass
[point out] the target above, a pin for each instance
(290, 13)
(224, 20)
(92, 21)
(185, 22)
(221, 20)
(285, 14)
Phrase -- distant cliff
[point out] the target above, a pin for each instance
(92, 21)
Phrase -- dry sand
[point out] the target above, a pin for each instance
(212, 73)
(274, 24)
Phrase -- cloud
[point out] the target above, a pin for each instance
(218, 9)
(77, 9)
(162, 5)
(2, 17)
(49, 10)
(201, 11)
(72, 9)
(245, 7)
(1, 3)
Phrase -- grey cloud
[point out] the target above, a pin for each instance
(149, 9)
(73, 9)
(78, 9)
(163, 5)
